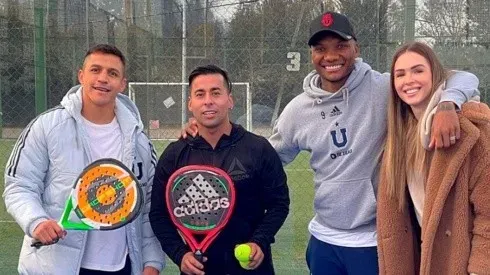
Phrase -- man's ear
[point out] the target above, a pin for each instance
(189, 104)
(311, 55)
(80, 76)
(124, 85)
(231, 102)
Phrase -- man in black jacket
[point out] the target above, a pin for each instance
(262, 198)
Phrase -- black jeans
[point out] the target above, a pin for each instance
(126, 270)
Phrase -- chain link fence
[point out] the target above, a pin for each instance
(263, 45)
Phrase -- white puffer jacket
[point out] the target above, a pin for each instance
(47, 158)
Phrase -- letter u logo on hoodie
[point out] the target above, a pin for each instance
(344, 138)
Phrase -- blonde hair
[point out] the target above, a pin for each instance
(403, 151)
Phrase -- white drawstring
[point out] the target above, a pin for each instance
(317, 100)
(345, 97)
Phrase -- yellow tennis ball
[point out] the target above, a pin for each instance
(242, 253)
(245, 264)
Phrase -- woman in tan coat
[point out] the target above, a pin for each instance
(433, 206)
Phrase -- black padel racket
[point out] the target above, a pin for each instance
(200, 200)
(106, 196)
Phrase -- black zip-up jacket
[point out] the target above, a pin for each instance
(262, 197)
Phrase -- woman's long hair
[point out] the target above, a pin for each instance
(403, 153)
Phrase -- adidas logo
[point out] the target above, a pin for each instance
(200, 190)
(335, 111)
(199, 197)
(237, 171)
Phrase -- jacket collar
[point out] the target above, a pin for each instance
(237, 132)
(126, 112)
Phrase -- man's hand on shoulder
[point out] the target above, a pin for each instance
(445, 126)
(190, 128)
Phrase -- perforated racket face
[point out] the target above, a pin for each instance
(200, 198)
(107, 195)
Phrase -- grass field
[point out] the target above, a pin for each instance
(288, 251)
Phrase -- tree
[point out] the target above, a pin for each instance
(443, 20)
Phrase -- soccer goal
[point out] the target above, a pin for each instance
(163, 106)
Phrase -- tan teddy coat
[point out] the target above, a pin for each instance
(456, 215)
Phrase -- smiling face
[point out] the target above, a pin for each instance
(210, 101)
(102, 78)
(333, 59)
(413, 80)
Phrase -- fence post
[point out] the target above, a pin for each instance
(1, 111)
(40, 56)
(410, 6)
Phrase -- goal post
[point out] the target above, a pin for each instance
(166, 102)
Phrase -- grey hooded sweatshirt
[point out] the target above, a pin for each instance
(344, 132)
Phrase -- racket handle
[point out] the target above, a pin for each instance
(199, 256)
(38, 244)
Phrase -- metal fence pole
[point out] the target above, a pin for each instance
(40, 56)
(410, 6)
(184, 61)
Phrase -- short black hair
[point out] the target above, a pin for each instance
(210, 69)
(107, 49)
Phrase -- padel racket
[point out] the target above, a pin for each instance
(200, 200)
(106, 196)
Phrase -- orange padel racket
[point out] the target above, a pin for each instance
(200, 200)
(106, 196)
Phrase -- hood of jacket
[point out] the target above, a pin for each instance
(126, 111)
(312, 84)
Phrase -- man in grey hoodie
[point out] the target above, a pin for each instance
(341, 119)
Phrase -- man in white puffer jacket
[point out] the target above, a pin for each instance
(93, 121)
